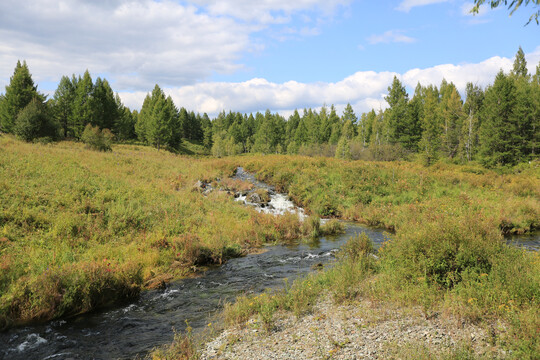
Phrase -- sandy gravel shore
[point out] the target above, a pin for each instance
(360, 330)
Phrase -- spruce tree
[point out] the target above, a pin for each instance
(500, 140)
(471, 124)
(19, 93)
(83, 105)
(452, 119)
(431, 127)
(397, 121)
(62, 105)
(520, 64)
(34, 121)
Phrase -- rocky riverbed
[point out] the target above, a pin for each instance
(359, 330)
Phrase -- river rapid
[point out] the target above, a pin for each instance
(136, 328)
(131, 330)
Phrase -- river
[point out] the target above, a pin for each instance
(134, 329)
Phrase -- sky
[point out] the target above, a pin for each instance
(248, 56)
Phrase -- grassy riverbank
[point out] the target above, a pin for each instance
(81, 229)
(447, 255)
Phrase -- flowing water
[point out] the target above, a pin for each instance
(134, 329)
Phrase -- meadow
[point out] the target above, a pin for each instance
(446, 252)
(81, 229)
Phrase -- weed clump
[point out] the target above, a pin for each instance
(97, 139)
(358, 246)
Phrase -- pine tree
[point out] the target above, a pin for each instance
(325, 124)
(19, 93)
(105, 109)
(348, 114)
(471, 124)
(343, 148)
(62, 105)
(34, 121)
(415, 112)
(452, 120)
(292, 125)
(431, 126)
(500, 140)
(520, 64)
(397, 121)
(83, 105)
(124, 127)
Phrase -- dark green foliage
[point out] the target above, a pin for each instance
(500, 137)
(159, 121)
(97, 139)
(83, 107)
(431, 127)
(34, 121)
(469, 133)
(62, 105)
(452, 119)
(19, 93)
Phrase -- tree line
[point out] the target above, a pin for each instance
(497, 125)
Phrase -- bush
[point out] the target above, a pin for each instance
(357, 247)
(34, 122)
(97, 139)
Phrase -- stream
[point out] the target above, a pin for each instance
(134, 329)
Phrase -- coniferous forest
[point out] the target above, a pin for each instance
(497, 125)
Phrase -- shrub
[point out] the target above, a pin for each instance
(34, 122)
(97, 139)
(357, 247)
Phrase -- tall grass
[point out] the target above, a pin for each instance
(81, 229)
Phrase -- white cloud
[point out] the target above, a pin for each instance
(144, 41)
(364, 90)
(407, 5)
(137, 43)
(391, 36)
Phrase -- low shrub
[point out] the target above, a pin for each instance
(97, 139)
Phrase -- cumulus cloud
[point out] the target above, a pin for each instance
(364, 90)
(137, 43)
(391, 36)
(407, 5)
(145, 40)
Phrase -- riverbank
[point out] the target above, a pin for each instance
(360, 329)
(82, 230)
(447, 255)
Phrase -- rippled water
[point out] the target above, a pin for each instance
(529, 242)
(136, 328)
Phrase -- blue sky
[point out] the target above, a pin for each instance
(246, 55)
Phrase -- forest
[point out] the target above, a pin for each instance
(496, 126)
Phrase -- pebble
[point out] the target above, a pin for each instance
(360, 330)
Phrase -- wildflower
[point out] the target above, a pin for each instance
(209, 324)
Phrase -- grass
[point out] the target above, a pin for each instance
(447, 254)
(81, 229)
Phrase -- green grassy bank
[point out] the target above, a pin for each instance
(447, 254)
(81, 229)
